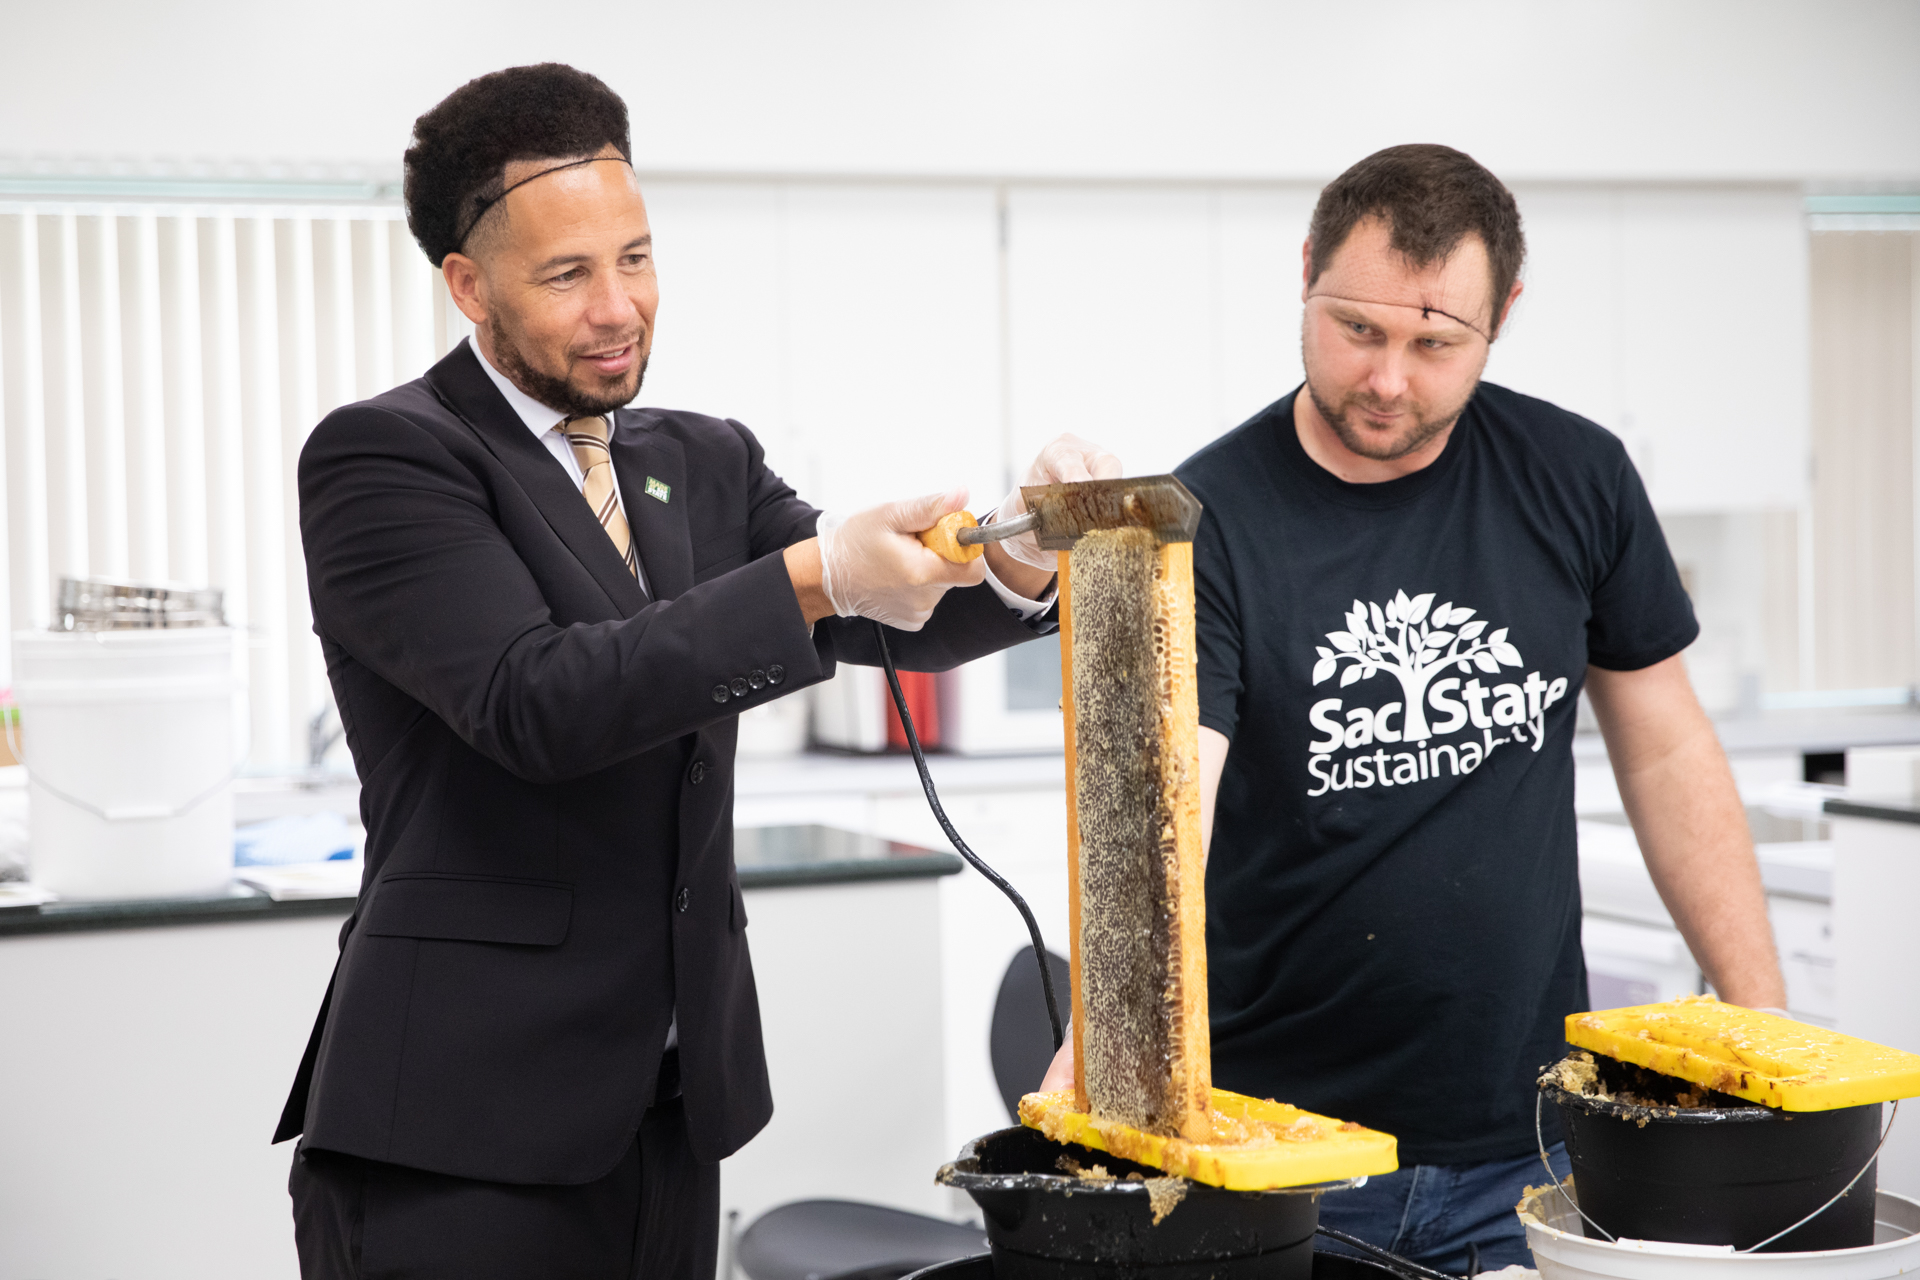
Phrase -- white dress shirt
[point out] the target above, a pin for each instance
(544, 424)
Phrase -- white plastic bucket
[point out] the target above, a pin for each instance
(1561, 1252)
(128, 739)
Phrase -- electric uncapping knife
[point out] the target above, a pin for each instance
(1062, 514)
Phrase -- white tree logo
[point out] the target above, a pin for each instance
(1416, 643)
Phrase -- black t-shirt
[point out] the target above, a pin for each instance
(1393, 898)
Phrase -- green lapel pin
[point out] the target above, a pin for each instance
(655, 489)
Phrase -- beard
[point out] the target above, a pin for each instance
(560, 394)
(1367, 441)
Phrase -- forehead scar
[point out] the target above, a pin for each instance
(1427, 309)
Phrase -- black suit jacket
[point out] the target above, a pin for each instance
(546, 768)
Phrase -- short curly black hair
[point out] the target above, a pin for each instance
(456, 166)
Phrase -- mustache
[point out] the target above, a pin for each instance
(634, 338)
(1372, 404)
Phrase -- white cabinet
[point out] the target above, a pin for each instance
(892, 357)
(854, 329)
(1111, 321)
(1630, 964)
(1803, 935)
(860, 328)
(1677, 319)
(1635, 954)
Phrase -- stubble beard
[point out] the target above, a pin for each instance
(1367, 443)
(558, 393)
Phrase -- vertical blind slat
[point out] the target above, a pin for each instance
(26, 427)
(65, 422)
(300, 344)
(6, 487)
(147, 463)
(374, 281)
(102, 361)
(414, 336)
(186, 409)
(263, 514)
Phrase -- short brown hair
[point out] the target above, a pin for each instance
(1431, 197)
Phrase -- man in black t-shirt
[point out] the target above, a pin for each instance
(1403, 579)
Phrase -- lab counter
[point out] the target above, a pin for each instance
(767, 857)
(151, 1046)
(238, 905)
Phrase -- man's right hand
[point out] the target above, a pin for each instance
(873, 565)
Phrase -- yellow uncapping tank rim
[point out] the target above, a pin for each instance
(1288, 1147)
(1761, 1057)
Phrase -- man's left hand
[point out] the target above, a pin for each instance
(1019, 563)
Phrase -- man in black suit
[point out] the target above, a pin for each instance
(541, 614)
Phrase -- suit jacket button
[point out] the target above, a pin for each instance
(757, 678)
(739, 687)
(719, 693)
(682, 900)
(776, 673)
(697, 774)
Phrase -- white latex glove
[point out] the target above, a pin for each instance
(1065, 459)
(872, 564)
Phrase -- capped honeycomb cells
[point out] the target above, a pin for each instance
(1140, 962)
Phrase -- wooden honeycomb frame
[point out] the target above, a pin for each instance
(1136, 879)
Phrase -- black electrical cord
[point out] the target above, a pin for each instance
(1393, 1261)
(973, 859)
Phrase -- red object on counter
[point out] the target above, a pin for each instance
(923, 704)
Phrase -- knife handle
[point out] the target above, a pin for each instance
(944, 538)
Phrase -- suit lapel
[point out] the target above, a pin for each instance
(652, 470)
(464, 387)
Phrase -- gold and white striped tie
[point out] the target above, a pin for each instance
(587, 437)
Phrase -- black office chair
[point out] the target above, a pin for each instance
(1021, 1042)
(848, 1240)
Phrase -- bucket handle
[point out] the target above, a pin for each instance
(1842, 1191)
(1542, 1143)
(131, 813)
(1540, 1140)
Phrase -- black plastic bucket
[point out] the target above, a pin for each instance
(1046, 1224)
(1326, 1266)
(1727, 1172)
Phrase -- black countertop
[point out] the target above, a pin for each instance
(1887, 809)
(768, 858)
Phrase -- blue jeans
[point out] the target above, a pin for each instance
(1432, 1212)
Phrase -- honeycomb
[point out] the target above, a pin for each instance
(1140, 956)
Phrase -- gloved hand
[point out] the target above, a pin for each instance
(873, 566)
(1065, 459)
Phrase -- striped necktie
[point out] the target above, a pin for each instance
(587, 437)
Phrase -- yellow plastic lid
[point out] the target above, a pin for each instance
(1761, 1057)
(1258, 1144)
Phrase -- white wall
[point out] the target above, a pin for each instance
(1634, 89)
